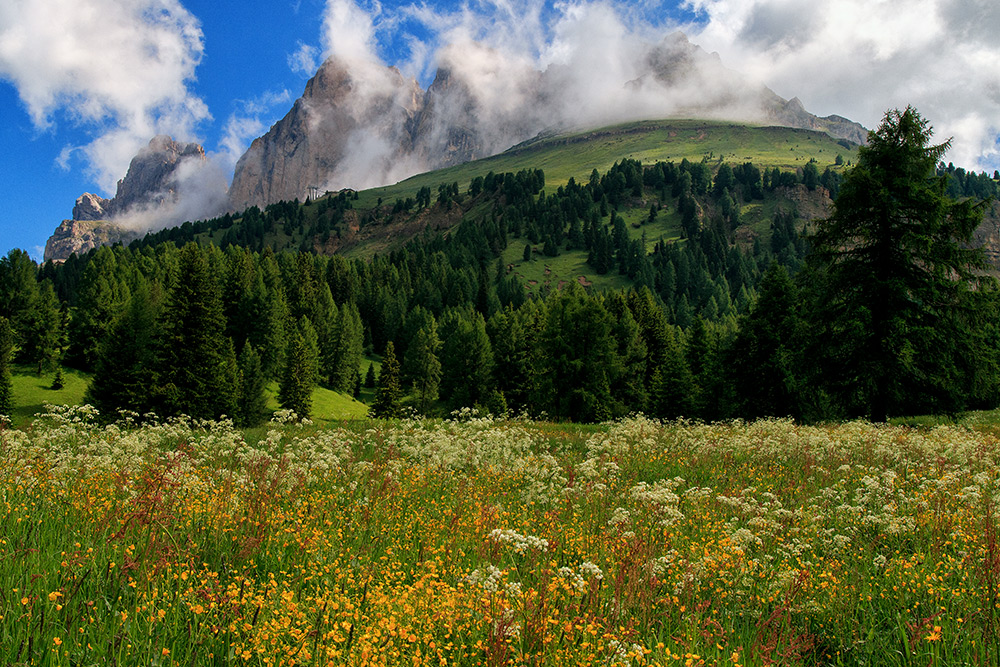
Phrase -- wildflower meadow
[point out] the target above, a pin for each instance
(474, 541)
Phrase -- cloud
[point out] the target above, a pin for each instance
(120, 70)
(249, 121)
(305, 60)
(859, 58)
(349, 30)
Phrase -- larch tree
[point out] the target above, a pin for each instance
(900, 285)
(387, 387)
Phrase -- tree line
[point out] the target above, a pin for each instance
(867, 316)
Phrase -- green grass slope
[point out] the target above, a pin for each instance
(577, 155)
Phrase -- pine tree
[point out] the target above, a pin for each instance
(6, 384)
(576, 357)
(466, 358)
(196, 362)
(900, 284)
(251, 400)
(125, 363)
(298, 379)
(44, 330)
(370, 376)
(387, 388)
(422, 366)
(765, 368)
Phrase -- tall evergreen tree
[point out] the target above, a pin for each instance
(41, 344)
(18, 296)
(125, 363)
(299, 376)
(764, 361)
(466, 358)
(577, 360)
(196, 363)
(6, 384)
(422, 367)
(387, 388)
(900, 280)
(251, 399)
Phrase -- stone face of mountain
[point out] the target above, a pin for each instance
(361, 125)
(151, 180)
(80, 236)
(150, 183)
(342, 117)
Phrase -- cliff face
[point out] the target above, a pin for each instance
(342, 119)
(361, 125)
(151, 183)
(81, 236)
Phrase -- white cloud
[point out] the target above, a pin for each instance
(859, 58)
(248, 122)
(349, 30)
(305, 60)
(118, 69)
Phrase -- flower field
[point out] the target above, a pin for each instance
(479, 542)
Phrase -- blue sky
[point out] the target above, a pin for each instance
(85, 83)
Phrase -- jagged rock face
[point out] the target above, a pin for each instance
(337, 114)
(791, 113)
(91, 207)
(151, 174)
(150, 180)
(80, 236)
(150, 183)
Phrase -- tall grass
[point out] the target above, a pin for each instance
(480, 542)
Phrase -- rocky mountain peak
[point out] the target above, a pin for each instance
(151, 182)
(345, 112)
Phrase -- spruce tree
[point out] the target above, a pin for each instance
(422, 366)
(299, 377)
(6, 384)
(900, 285)
(251, 401)
(196, 362)
(764, 361)
(125, 362)
(387, 388)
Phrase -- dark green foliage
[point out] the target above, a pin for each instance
(124, 369)
(466, 358)
(251, 399)
(388, 392)
(6, 351)
(577, 358)
(58, 381)
(421, 366)
(18, 297)
(898, 285)
(43, 330)
(195, 360)
(299, 376)
(370, 376)
(764, 361)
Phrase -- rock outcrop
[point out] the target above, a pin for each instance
(344, 119)
(361, 125)
(150, 185)
(81, 236)
(151, 181)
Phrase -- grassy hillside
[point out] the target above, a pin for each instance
(32, 392)
(577, 155)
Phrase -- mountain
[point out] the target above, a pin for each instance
(150, 182)
(362, 125)
(148, 193)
